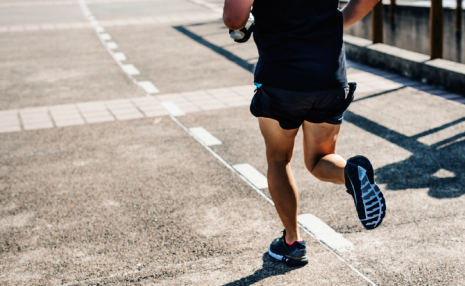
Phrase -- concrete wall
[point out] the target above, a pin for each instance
(411, 31)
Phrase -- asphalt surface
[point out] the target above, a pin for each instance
(141, 202)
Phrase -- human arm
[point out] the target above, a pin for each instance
(236, 13)
(355, 10)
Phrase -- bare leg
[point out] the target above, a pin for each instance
(320, 142)
(279, 148)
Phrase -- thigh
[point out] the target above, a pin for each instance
(279, 142)
(320, 139)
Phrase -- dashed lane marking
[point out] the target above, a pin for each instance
(251, 174)
(259, 191)
(119, 56)
(205, 136)
(105, 37)
(130, 69)
(172, 108)
(325, 233)
(148, 87)
(112, 45)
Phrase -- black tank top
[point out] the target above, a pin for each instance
(299, 44)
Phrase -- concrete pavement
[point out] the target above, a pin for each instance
(138, 201)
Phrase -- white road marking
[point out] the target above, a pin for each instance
(99, 29)
(172, 108)
(325, 233)
(148, 87)
(130, 69)
(105, 36)
(227, 165)
(157, 20)
(205, 136)
(211, 6)
(251, 174)
(119, 56)
(112, 45)
(47, 27)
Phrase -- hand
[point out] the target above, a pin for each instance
(243, 35)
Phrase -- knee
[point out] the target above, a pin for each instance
(310, 163)
(273, 156)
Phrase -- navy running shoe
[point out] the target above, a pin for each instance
(292, 255)
(369, 200)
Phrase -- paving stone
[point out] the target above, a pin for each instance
(35, 125)
(127, 114)
(98, 117)
(176, 98)
(70, 121)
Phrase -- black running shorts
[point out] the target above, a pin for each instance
(291, 108)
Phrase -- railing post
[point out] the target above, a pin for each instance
(458, 16)
(377, 23)
(436, 29)
(392, 11)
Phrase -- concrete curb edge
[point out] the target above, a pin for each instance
(448, 74)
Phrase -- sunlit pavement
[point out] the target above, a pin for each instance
(105, 179)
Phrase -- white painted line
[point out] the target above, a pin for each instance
(226, 164)
(325, 233)
(130, 69)
(205, 136)
(119, 57)
(148, 87)
(112, 45)
(251, 174)
(46, 27)
(105, 37)
(172, 108)
(99, 29)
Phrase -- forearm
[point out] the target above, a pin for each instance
(236, 13)
(355, 10)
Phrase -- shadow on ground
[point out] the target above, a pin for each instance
(439, 167)
(270, 268)
(424, 169)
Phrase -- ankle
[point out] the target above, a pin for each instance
(291, 238)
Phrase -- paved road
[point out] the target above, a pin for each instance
(99, 185)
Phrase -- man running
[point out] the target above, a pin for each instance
(301, 82)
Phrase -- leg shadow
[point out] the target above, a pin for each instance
(439, 167)
(271, 267)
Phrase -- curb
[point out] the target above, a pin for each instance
(449, 74)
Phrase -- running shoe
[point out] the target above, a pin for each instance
(292, 255)
(369, 200)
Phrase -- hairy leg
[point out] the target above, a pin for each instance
(279, 148)
(320, 140)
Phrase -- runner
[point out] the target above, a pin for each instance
(301, 82)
